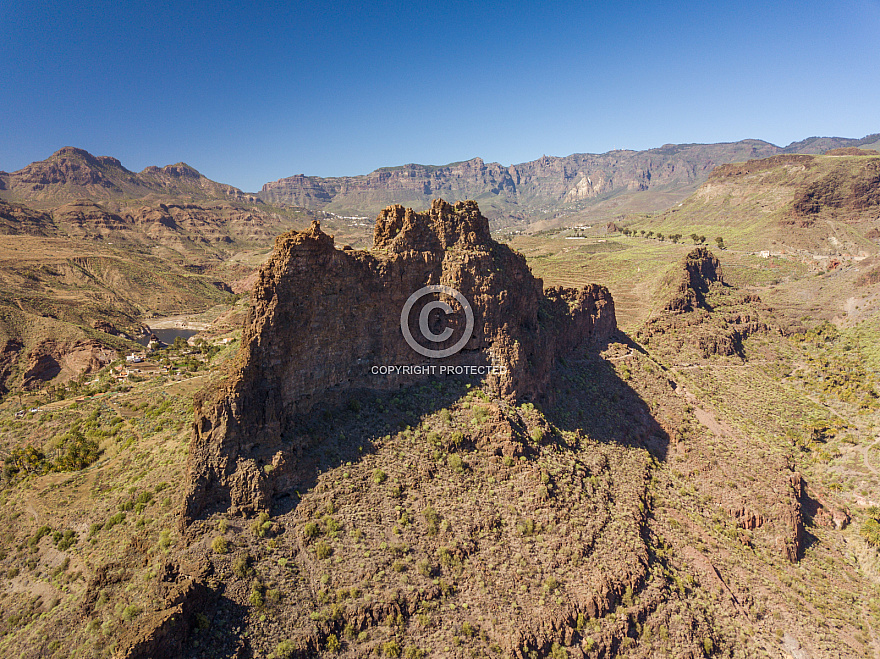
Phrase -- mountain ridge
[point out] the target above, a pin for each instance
(524, 192)
(72, 173)
(580, 184)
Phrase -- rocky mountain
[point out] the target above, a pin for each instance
(323, 320)
(72, 173)
(530, 191)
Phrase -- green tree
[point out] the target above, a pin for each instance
(720, 242)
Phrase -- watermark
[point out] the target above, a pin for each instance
(432, 369)
(424, 328)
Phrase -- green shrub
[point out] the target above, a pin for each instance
(391, 649)
(332, 526)
(202, 622)
(219, 545)
(379, 476)
(432, 519)
(241, 565)
(456, 439)
(333, 644)
(285, 650)
(130, 612)
(871, 532)
(42, 532)
(558, 652)
(481, 414)
(526, 527)
(118, 518)
(323, 550)
(455, 463)
(256, 597)
(551, 584)
(262, 526)
(311, 530)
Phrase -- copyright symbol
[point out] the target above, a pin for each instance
(423, 321)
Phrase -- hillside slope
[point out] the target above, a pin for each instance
(806, 206)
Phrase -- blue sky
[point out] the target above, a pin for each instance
(252, 92)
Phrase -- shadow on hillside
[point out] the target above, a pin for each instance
(336, 435)
(584, 393)
(216, 634)
(587, 394)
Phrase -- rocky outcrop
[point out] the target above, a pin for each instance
(792, 543)
(702, 316)
(110, 328)
(17, 220)
(689, 284)
(325, 322)
(850, 186)
(64, 360)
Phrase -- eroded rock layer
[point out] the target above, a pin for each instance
(324, 320)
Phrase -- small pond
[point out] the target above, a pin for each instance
(168, 335)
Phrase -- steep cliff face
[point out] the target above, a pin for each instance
(324, 322)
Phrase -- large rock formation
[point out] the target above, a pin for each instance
(689, 284)
(324, 321)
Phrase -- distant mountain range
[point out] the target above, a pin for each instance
(540, 190)
(536, 190)
(70, 174)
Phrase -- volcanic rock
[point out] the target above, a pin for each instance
(324, 320)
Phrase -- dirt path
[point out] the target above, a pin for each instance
(865, 450)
